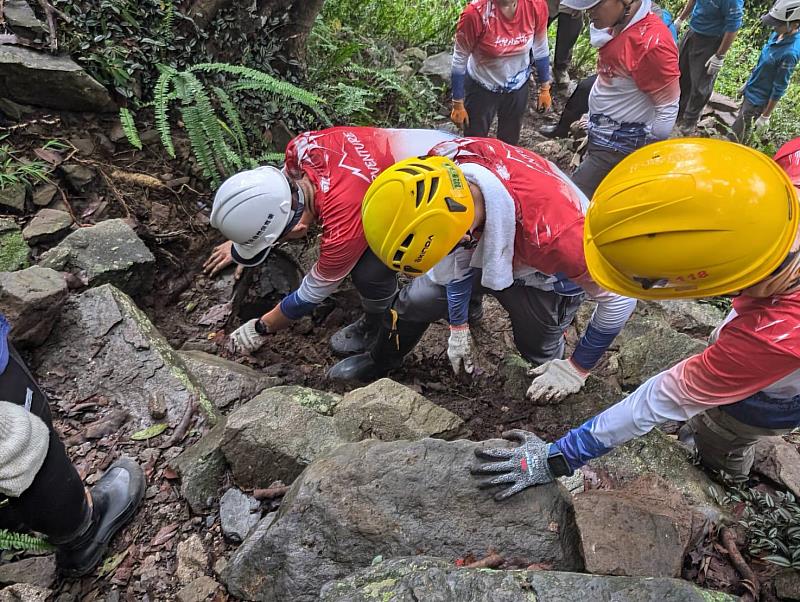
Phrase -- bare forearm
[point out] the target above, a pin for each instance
(726, 42)
(275, 319)
(769, 107)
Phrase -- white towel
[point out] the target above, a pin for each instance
(495, 251)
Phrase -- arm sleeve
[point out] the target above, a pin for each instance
(468, 32)
(294, 307)
(24, 439)
(541, 55)
(783, 74)
(664, 121)
(734, 14)
(458, 296)
(607, 321)
(738, 365)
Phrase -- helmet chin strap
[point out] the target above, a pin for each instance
(625, 14)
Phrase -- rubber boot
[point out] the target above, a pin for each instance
(358, 337)
(115, 498)
(553, 131)
(391, 346)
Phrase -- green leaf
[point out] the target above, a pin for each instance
(149, 432)
(10, 540)
(779, 560)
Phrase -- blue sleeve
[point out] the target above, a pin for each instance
(783, 73)
(457, 80)
(458, 296)
(542, 69)
(591, 347)
(294, 307)
(579, 445)
(734, 13)
(4, 329)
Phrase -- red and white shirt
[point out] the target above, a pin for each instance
(341, 163)
(495, 51)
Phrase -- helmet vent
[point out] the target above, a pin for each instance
(423, 167)
(433, 189)
(420, 192)
(408, 269)
(407, 242)
(398, 256)
(454, 206)
(409, 171)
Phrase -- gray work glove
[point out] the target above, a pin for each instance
(459, 349)
(246, 339)
(521, 467)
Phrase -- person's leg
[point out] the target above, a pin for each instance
(747, 114)
(574, 109)
(702, 83)
(725, 443)
(377, 285)
(595, 166)
(569, 28)
(511, 111)
(481, 108)
(538, 320)
(685, 81)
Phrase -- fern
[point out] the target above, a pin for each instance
(161, 99)
(9, 540)
(129, 128)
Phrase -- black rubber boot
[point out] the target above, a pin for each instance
(553, 131)
(358, 337)
(391, 346)
(115, 498)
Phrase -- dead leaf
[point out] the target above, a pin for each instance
(150, 432)
(110, 564)
(216, 314)
(164, 534)
(49, 156)
(107, 425)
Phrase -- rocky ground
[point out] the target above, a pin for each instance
(265, 482)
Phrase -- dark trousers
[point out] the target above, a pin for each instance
(577, 105)
(55, 504)
(747, 114)
(569, 28)
(596, 164)
(375, 282)
(538, 318)
(696, 84)
(482, 107)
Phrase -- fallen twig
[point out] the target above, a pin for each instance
(749, 581)
(492, 561)
(270, 493)
(180, 431)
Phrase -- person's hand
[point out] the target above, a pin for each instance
(762, 122)
(520, 467)
(544, 101)
(714, 64)
(459, 349)
(246, 338)
(220, 259)
(740, 91)
(555, 380)
(459, 114)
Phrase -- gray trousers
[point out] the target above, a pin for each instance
(747, 114)
(538, 318)
(724, 443)
(596, 164)
(696, 84)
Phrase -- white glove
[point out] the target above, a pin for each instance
(246, 339)
(555, 380)
(762, 122)
(714, 64)
(678, 23)
(459, 349)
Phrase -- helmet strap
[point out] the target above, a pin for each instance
(298, 211)
(625, 14)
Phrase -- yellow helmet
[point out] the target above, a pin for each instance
(688, 218)
(415, 212)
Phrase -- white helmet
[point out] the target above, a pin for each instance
(782, 12)
(580, 4)
(252, 209)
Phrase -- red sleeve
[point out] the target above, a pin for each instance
(541, 14)
(745, 359)
(292, 162)
(468, 29)
(657, 70)
(564, 255)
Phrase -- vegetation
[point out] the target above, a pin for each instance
(9, 540)
(16, 170)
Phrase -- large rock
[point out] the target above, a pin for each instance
(30, 77)
(437, 579)
(694, 318)
(108, 253)
(778, 460)
(395, 499)
(38, 570)
(226, 382)
(22, 20)
(12, 196)
(278, 433)
(201, 467)
(25, 592)
(390, 411)
(14, 251)
(31, 300)
(104, 345)
(238, 515)
(47, 225)
(438, 66)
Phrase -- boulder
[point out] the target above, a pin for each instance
(38, 570)
(438, 66)
(201, 467)
(42, 195)
(413, 57)
(47, 225)
(238, 515)
(428, 578)
(12, 196)
(226, 382)
(390, 411)
(29, 77)
(695, 318)
(778, 460)
(633, 535)
(104, 345)
(278, 433)
(25, 592)
(108, 253)
(392, 499)
(78, 175)
(14, 251)
(22, 20)
(31, 300)
(722, 103)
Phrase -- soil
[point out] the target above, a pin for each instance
(190, 310)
